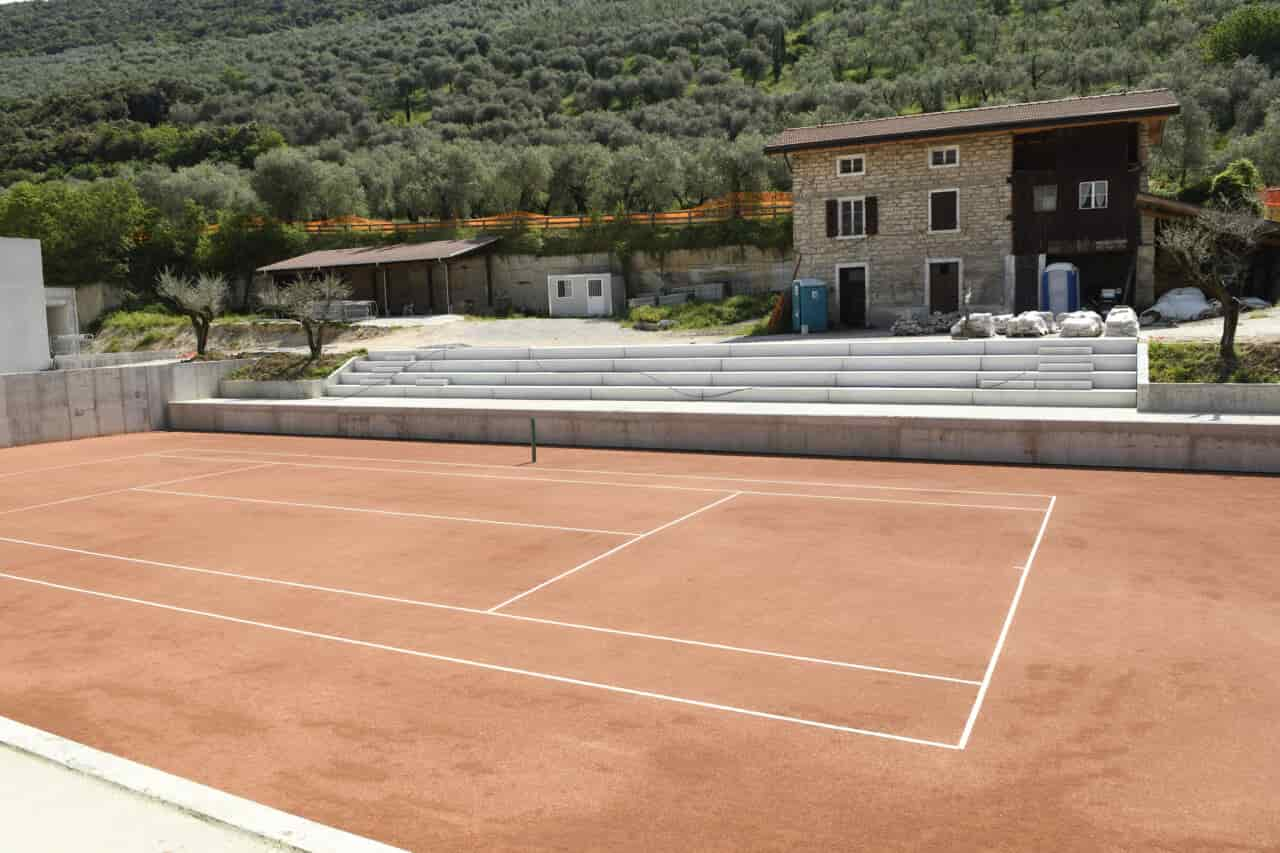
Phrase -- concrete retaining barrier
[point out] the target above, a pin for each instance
(58, 405)
(253, 389)
(1231, 398)
(1095, 438)
(112, 359)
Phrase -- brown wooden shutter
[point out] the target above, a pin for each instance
(873, 215)
(833, 218)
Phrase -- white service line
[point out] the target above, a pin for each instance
(513, 599)
(1004, 630)
(395, 513)
(144, 486)
(703, 489)
(511, 477)
(560, 679)
(488, 613)
(637, 474)
(81, 464)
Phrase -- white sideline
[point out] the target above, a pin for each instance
(497, 615)
(1004, 630)
(395, 513)
(143, 486)
(856, 498)
(210, 804)
(513, 599)
(560, 679)
(626, 473)
(82, 464)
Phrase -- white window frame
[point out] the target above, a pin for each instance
(955, 230)
(955, 148)
(568, 283)
(845, 157)
(1093, 195)
(860, 199)
(599, 281)
(866, 296)
(928, 281)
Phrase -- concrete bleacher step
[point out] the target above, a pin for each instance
(1002, 396)
(1099, 372)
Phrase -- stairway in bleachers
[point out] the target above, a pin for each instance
(1002, 372)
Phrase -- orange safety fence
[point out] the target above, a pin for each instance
(734, 206)
(1271, 203)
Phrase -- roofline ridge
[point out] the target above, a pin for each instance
(980, 109)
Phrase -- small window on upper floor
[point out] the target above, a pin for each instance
(851, 165)
(1044, 198)
(1093, 195)
(942, 157)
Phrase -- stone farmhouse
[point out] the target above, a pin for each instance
(912, 214)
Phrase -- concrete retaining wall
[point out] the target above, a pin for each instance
(112, 359)
(58, 405)
(250, 389)
(1119, 439)
(1203, 397)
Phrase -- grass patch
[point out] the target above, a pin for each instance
(290, 367)
(148, 320)
(1199, 362)
(708, 315)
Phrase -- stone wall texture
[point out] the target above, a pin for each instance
(899, 175)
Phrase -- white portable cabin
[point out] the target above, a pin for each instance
(596, 294)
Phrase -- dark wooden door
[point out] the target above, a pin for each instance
(944, 286)
(853, 297)
(1026, 283)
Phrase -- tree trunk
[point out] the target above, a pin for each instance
(202, 334)
(316, 342)
(1227, 348)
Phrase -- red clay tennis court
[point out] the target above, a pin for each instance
(446, 647)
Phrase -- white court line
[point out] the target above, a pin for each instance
(1004, 630)
(634, 474)
(477, 612)
(519, 479)
(560, 679)
(513, 599)
(144, 486)
(398, 514)
(81, 464)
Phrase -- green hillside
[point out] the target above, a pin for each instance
(185, 111)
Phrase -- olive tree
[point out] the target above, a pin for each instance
(311, 300)
(201, 299)
(1215, 251)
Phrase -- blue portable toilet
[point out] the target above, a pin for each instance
(1060, 288)
(808, 305)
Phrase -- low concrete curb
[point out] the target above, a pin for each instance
(291, 831)
(252, 389)
(1234, 398)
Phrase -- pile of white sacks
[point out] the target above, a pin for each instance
(1121, 322)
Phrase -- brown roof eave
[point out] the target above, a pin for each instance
(994, 127)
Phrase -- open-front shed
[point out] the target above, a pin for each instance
(408, 279)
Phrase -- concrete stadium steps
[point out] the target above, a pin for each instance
(1093, 372)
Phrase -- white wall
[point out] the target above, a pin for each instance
(24, 333)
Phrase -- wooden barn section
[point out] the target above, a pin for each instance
(409, 279)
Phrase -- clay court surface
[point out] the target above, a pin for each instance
(444, 647)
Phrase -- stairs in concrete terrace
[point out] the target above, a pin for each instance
(999, 372)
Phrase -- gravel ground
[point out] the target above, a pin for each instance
(559, 331)
(1254, 326)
